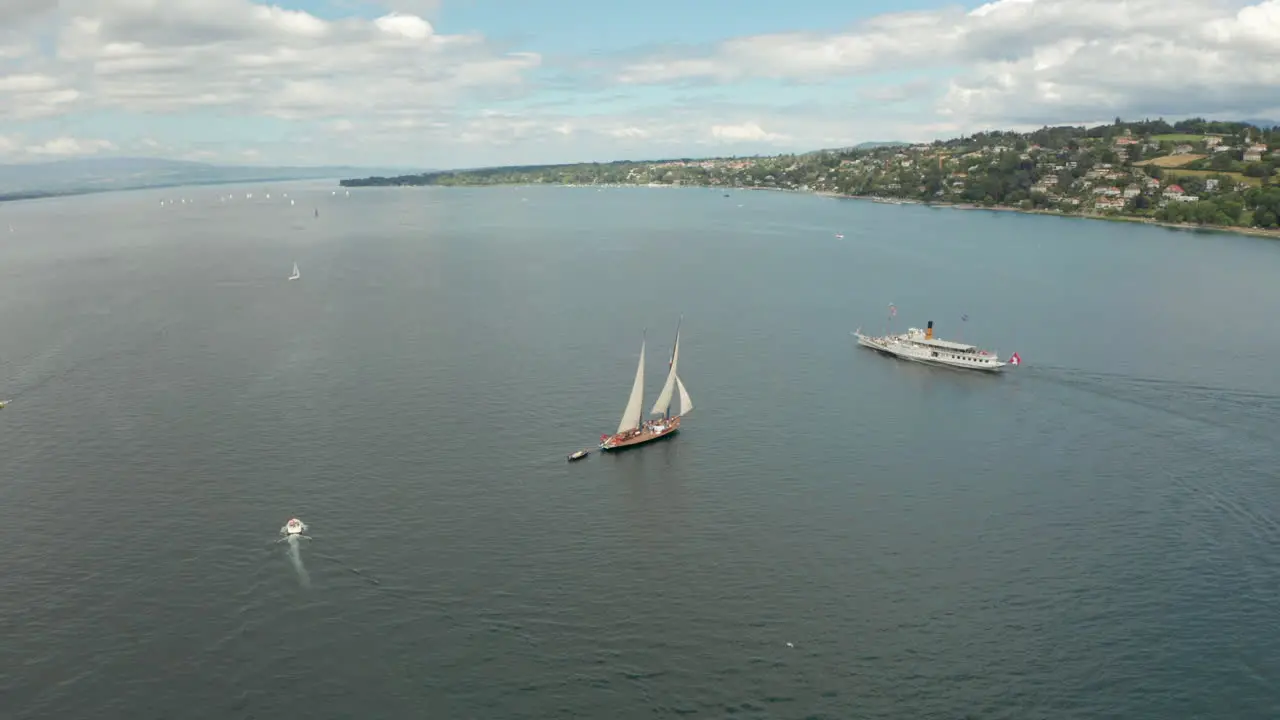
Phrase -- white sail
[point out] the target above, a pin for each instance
(685, 403)
(664, 398)
(295, 274)
(631, 416)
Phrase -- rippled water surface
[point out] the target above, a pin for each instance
(833, 534)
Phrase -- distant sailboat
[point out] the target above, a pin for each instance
(295, 274)
(631, 430)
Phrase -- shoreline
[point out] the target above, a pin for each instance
(35, 195)
(1233, 229)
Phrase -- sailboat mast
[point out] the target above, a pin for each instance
(675, 347)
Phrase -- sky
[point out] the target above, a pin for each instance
(466, 83)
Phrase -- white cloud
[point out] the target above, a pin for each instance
(422, 8)
(243, 57)
(33, 95)
(630, 131)
(1033, 60)
(13, 12)
(747, 131)
(396, 86)
(1222, 66)
(69, 146)
(405, 26)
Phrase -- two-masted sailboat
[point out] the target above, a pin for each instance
(633, 431)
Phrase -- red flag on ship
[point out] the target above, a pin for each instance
(1016, 359)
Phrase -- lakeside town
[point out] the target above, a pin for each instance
(1194, 171)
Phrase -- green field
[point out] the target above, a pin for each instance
(1177, 137)
(1171, 161)
(1235, 176)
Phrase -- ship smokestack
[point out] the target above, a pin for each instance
(928, 332)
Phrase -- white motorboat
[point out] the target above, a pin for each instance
(921, 346)
(293, 527)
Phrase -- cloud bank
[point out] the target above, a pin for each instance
(230, 79)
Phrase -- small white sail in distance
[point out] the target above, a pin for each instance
(631, 416)
(295, 274)
(663, 404)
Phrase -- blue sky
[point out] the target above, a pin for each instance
(440, 83)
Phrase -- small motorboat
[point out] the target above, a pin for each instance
(578, 455)
(293, 527)
(3, 403)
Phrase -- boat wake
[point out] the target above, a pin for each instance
(295, 557)
(362, 574)
(1241, 410)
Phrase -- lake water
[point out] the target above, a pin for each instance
(833, 534)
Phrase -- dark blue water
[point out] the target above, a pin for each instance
(1091, 535)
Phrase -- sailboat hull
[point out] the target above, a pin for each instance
(641, 437)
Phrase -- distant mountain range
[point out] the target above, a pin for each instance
(871, 145)
(879, 144)
(70, 177)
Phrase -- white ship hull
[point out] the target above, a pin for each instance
(908, 347)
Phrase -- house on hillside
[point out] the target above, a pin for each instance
(1212, 141)
(1254, 154)
(1174, 191)
(1182, 150)
(1132, 192)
